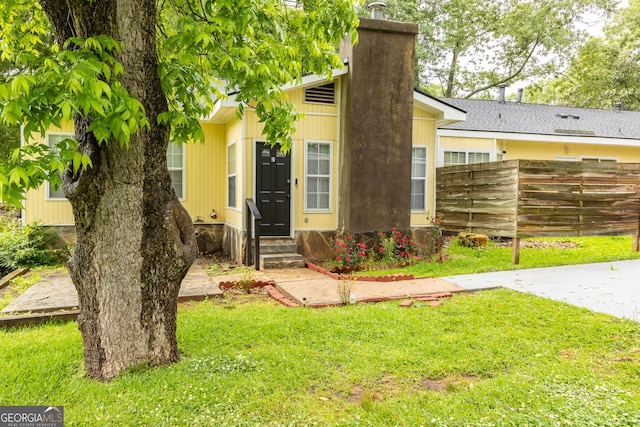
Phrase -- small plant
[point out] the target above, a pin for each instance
(435, 235)
(398, 248)
(246, 282)
(345, 287)
(349, 252)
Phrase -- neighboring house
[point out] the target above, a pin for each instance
(499, 130)
(362, 160)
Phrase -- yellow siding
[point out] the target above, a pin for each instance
(424, 134)
(320, 123)
(466, 143)
(205, 174)
(37, 207)
(530, 150)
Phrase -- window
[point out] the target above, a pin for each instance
(318, 176)
(419, 179)
(452, 158)
(231, 174)
(175, 163)
(599, 159)
(455, 158)
(52, 141)
(478, 158)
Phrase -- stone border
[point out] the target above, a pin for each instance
(256, 284)
(336, 276)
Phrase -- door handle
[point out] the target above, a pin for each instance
(288, 181)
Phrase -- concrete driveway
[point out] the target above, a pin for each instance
(608, 287)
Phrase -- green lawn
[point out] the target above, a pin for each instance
(495, 358)
(463, 260)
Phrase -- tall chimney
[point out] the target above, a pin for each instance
(520, 91)
(502, 87)
(377, 127)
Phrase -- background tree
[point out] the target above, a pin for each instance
(131, 75)
(466, 47)
(605, 72)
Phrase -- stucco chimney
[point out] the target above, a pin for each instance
(376, 127)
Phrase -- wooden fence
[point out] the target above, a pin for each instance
(531, 198)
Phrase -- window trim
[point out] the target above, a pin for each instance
(182, 168)
(234, 175)
(492, 154)
(329, 209)
(425, 178)
(48, 189)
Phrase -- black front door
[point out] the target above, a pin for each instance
(273, 190)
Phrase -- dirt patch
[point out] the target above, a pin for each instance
(507, 243)
(448, 384)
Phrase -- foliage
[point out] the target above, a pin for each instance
(20, 246)
(605, 71)
(348, 252)
(205, 50)
(527, 361)
(468, 47)
(398, 248)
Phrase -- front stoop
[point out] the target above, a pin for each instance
(279, 253)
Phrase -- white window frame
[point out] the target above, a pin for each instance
(48, 196)
(566, 158)
(423, 178)
(492, 154)
(232, 174)
(598, 159)
(328, 209)
(182, 197)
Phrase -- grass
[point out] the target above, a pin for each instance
(463, 260)
(17, 286)
(494, 358)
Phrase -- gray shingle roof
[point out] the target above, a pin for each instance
(511, 117)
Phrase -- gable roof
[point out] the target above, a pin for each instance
(444, 112)
(551, 120)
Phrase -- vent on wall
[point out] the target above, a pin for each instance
(325, 94)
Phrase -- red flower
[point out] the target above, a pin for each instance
(380, 249)
(361, 254)
(338, 258)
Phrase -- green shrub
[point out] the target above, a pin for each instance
(21, 246)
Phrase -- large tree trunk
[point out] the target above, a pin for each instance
(135, 242)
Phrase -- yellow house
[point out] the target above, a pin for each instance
(362, 160)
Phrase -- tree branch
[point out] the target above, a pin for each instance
(509, 77)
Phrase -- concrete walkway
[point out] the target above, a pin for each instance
(55, 292)
(612, 288)
(608, 287)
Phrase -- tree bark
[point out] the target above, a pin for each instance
(135, 241)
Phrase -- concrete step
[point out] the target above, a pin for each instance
(290, 260)
(278, 246)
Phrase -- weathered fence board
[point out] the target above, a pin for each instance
(536, 198)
